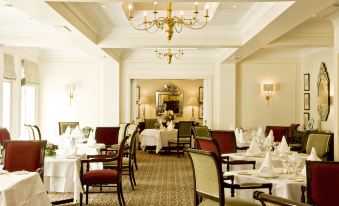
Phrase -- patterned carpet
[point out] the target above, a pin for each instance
(162, 179)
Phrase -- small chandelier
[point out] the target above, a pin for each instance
(169, 54)
(169, 22)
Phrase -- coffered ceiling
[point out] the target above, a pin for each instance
(100, 28)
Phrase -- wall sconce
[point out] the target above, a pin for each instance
(70, 89)
(193, 101)
(143, 101)
(268, 90)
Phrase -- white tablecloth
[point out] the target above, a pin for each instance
(155, 137)
(84, 149)
(63, 175)
(283, 185)
(276, 162)
(22, 190)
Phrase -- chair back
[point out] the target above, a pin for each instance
(207, 176)
(150, 123)
(107, 135)
(34, 132)
(63, 126)
(226, 140)
(270, 200)
(132, 147)
(4, 135)
(121, 155)
(200, 131)
(278, 132)
(130, 130)
(184, 129)
(322, 182)
(290, 129)
(122, 131)
(208, 144)
(321, 143)
(24, 155)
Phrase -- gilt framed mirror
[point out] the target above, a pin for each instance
(169, 97)
(323, 98)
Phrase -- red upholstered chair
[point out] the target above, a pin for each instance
(24, 155)
(278, 132)
(104, 176)
(322, 183)
(228, 144)
(4, 135)
(107, 135)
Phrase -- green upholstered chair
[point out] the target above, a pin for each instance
(184, 136)
(208, 181)
(200, 131)
(127, 162)
(63, 126)
(321, 143)
(270, 200)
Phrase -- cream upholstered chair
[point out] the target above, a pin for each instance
(130, 130)
(122, 131)
(208, 181)
(200, 131)
(321, 143)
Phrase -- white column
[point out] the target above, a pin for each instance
(109, 93)
(335, 80)
(225, 96)
(1, 80)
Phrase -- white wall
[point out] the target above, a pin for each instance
(310, 63)
(95, 102)
(252, 108)
(190, 88)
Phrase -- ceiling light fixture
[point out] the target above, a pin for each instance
(169, 22)
(169, 54)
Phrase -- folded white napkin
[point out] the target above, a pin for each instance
(270, 134)
(312, 157)
(266, 168)
(269, 139)
(91, 139)
(259, 131)
(283, 147)
(76, 132)
(254, 148)
(170, 126)
(68, 149)
(67, 132)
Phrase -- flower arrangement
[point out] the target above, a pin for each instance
(168, 115)
(51, 149)
(86, 131)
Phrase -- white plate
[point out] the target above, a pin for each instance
(245, 173)
(268, 175)
(22, 172)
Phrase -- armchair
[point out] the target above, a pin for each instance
(271, 200)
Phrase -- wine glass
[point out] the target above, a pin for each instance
(295, 162)
(275, 146)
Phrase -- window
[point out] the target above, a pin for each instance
(6, 105)
(28, 108)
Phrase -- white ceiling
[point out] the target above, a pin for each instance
(98, 28)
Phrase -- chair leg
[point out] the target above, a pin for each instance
(122, 194)
(135, 161)
(232, 192)
(228, 167)
(130, 177)
(119, 194)
(87, 188)
(81, 198)
(133, 176)
(178, 151)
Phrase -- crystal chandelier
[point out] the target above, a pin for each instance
(169, 22)
(169, 54)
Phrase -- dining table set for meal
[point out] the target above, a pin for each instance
(156, 137)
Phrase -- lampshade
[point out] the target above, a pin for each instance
(322, 100)
(193, 101)
(144, 100)
(268, 87)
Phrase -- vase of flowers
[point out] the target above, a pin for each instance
(50, 150)
(86, 131)
(168, 115)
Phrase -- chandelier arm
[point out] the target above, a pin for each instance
(196, 28)
(151, 24)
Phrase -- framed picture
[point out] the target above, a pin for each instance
(307, 82)
(201, 94)
(137, 102)
(201, 111)
(306, 119)
(306, 101)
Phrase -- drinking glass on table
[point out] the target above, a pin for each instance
(285, 162)
(295, 162)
